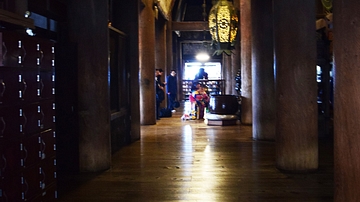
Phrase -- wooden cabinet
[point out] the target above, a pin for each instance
(27, 118)
(214, 87)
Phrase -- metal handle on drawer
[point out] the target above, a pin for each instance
(27, 188)
(5, 196)
(41, 86)
(24, 55)
(24, 87)
(5, 50)
(43, 185)
(25, 120)
(4, 124)
(3, 89)
(5, 163)
(26, 155)
(41, 56)
(42, 118)
(43, 149)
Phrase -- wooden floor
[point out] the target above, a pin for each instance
(179, 160)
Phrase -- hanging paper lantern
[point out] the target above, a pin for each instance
(327, 4)
(223, 25)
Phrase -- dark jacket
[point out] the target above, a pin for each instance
(160, 95)
(171, 84)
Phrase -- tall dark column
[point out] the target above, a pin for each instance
(227, 72)
(235, 56)
(263, 89)
(246, 80)
(147, 64)
(88, 22)
(160, 50)
(235, 66)
(169, 52)
(347, 100)
(296, 88)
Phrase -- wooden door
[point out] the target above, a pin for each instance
(119, 90)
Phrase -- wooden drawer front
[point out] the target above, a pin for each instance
(24, 51)
(12, 122)
(31, 185)
(12, 86)
(47, 83)
(33, 115)
(32, 81)
(11, 52)
(11, 160)
(47, 114)
(27, 119)
(47, 61)
(49, 194)
(39, 53)
(31, 151)
(40, 116)
(19, 87)
(32, 53)
(12, 189)
(48, 173)
(48, 144)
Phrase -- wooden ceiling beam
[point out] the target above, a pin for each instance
(190, 26)
(13, 18)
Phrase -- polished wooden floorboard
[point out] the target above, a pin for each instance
(179, 160)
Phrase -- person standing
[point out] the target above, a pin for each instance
(171, 83)
(201, 74)
(159, 91)
(199, 78)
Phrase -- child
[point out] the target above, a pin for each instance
(201, 100)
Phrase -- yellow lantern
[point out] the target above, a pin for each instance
(223, 26)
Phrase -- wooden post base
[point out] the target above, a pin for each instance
(221, 122)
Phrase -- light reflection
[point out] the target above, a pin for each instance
(208, 172)
(187, 137)
(186, 154)
(207, 149)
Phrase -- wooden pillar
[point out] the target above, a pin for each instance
(88, 27)
(263, 89)
(133, 27)
(296, 88)
(346, 100)
(160, 51)
(169, 52)
(147, 64)
(235, 65)
(227, 72)
(246, 82)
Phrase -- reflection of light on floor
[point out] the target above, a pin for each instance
(187, 106)
(187, 137)
(187, 156)
(207, 149)
(208, 172)
(194, 161)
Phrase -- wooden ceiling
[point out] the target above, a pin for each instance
(190, 10)
(189, 21)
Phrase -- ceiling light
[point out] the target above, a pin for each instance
(202, 57)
